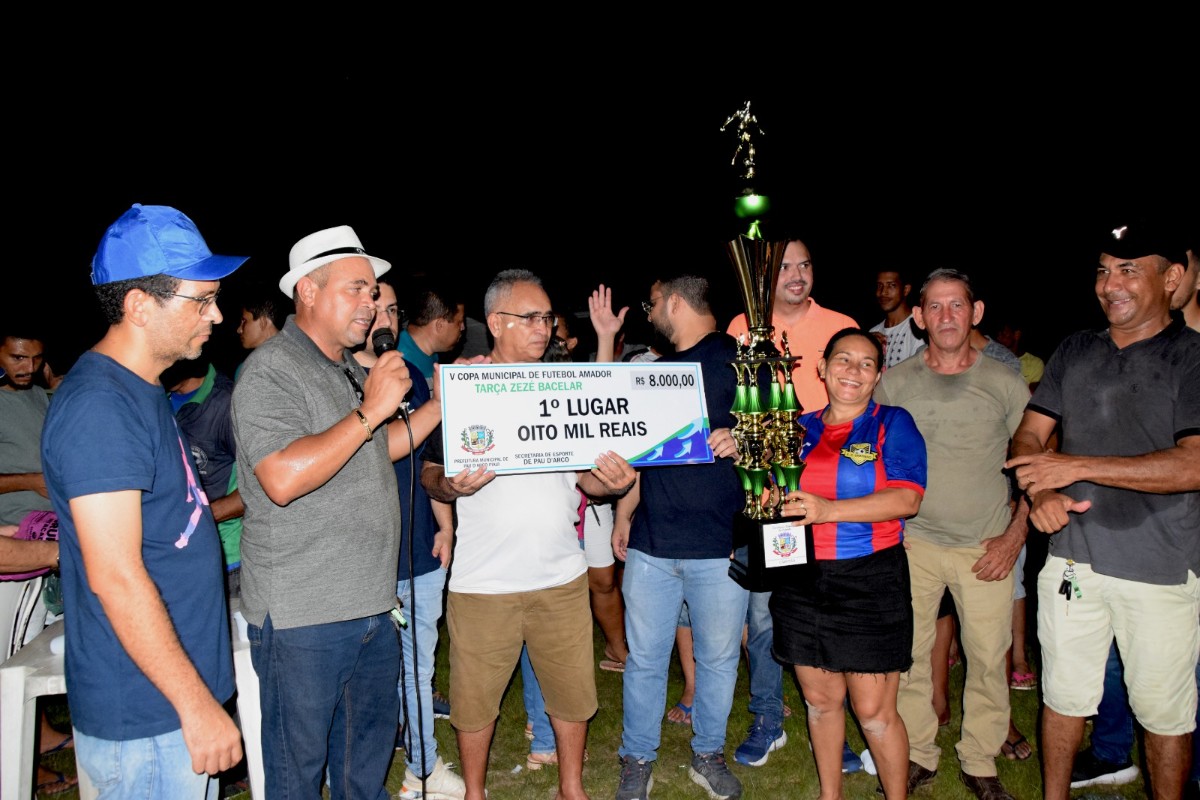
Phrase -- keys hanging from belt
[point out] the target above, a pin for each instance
(1070, 584)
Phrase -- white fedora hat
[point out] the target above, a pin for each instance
(324, 247)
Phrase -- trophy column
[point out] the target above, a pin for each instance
(768, 433)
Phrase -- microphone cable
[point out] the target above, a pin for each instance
(412, 595)
(383, 340)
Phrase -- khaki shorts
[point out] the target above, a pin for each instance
(1157, 633)
(486, 634)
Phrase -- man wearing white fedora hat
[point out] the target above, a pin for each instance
(322, 527)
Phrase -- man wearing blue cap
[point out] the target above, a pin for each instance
(1123, 500)
(147, 635)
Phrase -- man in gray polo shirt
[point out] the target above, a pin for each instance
(1121, 496)
(322, 527)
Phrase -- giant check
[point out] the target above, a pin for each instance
(547, 417)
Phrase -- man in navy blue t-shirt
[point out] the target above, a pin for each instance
(148, 661)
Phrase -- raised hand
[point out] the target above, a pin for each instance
(606, 324)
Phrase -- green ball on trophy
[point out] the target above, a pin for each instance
(751, 205)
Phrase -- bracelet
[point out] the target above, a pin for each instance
(363, 419)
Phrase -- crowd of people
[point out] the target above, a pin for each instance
(308, 492)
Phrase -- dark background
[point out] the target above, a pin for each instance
(1003, 162)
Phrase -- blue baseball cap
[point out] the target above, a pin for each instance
(157, 240)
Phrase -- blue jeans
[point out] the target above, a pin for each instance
(416, 687)
(157, 766)
(1194, 775)
(766, 676)
(655, 589)
(328, 695)
(535, 708)
(1112, 730)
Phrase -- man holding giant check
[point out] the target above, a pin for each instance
(519, 573)
(677, 550)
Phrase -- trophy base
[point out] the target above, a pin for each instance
(768, 552)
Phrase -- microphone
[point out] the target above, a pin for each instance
(383, 340)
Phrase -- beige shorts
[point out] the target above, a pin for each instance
(486, 634)
(1157, 633)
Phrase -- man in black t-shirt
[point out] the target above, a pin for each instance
(677, 550)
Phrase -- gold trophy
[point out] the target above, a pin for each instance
(768, 433)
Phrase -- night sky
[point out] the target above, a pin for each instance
(586, 173)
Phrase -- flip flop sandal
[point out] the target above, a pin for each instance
(687, 715)
(63, 745)
(1023, 681)
(612, 665)
(1009, 749)
(64, 782)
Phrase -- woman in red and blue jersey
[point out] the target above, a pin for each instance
(846, 621)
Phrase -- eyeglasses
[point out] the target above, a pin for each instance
(648, 306)
(205, 301)
(533, 319)
(354, 384)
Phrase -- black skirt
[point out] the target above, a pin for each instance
(850, 615)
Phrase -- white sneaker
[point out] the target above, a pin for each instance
(441, 784)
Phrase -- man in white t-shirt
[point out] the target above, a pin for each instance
(900, 337)
(520, 577)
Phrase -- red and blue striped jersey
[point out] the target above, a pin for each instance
(880, 449)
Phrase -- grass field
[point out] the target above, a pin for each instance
(790, 773)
